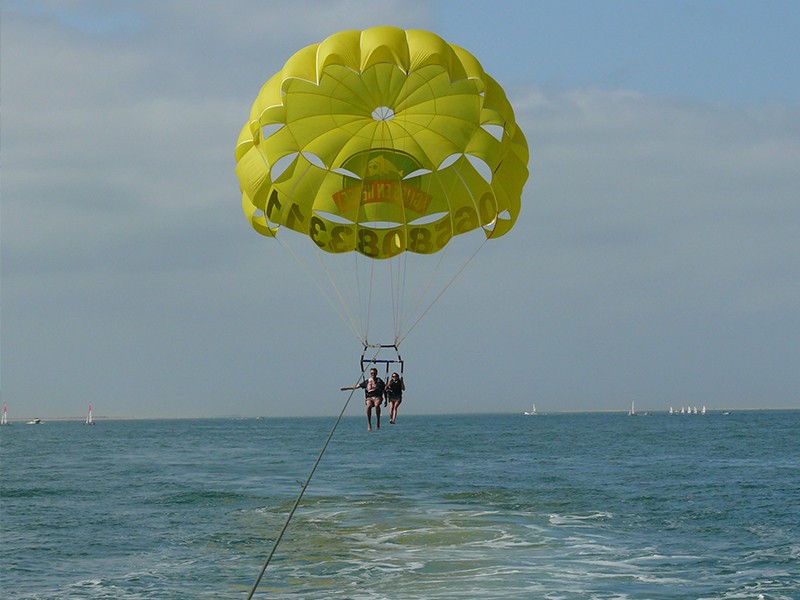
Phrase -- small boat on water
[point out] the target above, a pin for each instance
(4, 419)
(532, 411)
(89, 420)
(632, 411)
(36, 421)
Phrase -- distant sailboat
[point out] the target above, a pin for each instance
(632, 412)
(4, 420)
(89, 420)
(532, 411)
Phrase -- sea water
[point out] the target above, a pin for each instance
(556, 506)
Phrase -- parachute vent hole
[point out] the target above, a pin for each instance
(379, 225)
(314, 160)
(428, 219)
(281, 165)
(346, 173)
(417, 173)
(496, 131)
(333, 217)
(271, 129)
(383, 113)
(449, 161)
(483, 169)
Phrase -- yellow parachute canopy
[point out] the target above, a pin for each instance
(382, 141)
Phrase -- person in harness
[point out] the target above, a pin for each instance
(374, 388)
(394, 396)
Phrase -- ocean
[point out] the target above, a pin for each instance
(553, 506)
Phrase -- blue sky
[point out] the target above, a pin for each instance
(730, 52)
(655, 258)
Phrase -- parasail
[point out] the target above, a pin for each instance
(386, 158)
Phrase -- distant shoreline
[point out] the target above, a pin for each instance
(25, 420)
(647, 412)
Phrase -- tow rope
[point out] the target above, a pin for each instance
(300, 495)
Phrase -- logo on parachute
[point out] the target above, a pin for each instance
(381, 175)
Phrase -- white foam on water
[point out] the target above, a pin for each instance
(579, 520)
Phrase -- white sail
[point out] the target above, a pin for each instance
(5, 416)
(89, 420)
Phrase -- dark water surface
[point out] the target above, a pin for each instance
(561, 506)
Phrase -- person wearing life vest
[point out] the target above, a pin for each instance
(374, 388)
(394, 396)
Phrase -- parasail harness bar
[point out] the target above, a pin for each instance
(366, 362)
